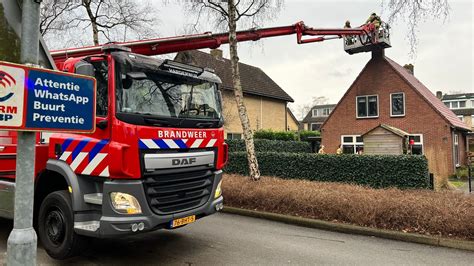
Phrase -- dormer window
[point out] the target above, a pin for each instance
(319, 112)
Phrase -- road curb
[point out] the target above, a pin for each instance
(354, 229)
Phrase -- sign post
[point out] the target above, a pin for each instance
(33, 99)
(22, 242)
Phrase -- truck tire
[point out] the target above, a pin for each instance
(56, 227)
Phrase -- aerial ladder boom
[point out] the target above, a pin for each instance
(209, 40)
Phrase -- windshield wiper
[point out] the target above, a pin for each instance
(205, 124)
(158, 122)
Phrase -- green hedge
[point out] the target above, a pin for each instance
(402, 171)
(304, 134)
(275, 135)
(265, 145)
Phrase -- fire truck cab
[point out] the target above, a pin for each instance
(154, 161)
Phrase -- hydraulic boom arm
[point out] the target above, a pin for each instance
(210, 40)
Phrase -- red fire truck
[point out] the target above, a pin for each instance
(156, 158)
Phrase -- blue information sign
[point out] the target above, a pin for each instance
(36, 99)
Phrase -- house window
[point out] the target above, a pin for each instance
(417, 147)
(352, 144)
(456, 104)
(367, 106)
(326, 111)
(321, 112)
(397, 107)
(456, 150)
(315, 126)
(461, 117)
(234, 136)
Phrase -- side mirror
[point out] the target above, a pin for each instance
(102, 124)
(84, 68)
(136, 75)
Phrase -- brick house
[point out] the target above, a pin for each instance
(387, 93)
(266, 102)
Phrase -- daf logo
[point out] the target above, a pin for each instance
(185, 161)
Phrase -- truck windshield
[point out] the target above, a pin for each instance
(155, 95)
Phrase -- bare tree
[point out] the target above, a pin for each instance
(232, 12)
(52, 18)
(318, 100)
(414, 12)
(300, 110)
(106, 18)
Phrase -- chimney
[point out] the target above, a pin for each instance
(378, 52)
(216, 53)
(410, 68)
(439, 95)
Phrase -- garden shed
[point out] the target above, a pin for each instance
(385, 140)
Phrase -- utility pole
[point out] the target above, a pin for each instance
(22, 241)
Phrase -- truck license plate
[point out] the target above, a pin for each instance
(183, 221)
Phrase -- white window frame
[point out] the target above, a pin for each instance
(457, 101)
(323, 111)
(457, 155)
(354, 142)
(311, 126)
(315, 115)
(461, 117)
(404, 105)
(420, 142)
(232, 135)
(367, 98)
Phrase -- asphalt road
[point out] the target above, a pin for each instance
(226, 239)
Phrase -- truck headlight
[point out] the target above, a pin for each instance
(125, 203)
(218, 190)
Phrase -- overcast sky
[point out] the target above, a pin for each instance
(443, 61)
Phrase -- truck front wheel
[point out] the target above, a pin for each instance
(56, 226)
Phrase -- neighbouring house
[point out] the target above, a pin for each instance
(292, 122)
(266, 102)
(316, 116)
(462, 104)
(387, 100)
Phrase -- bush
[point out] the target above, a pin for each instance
(377, 171)
(275, 135)
(265, 145)
(445, 213)
(304, 134)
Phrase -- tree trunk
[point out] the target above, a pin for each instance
(95, 29)
(239, 97)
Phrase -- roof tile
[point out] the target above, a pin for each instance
(254, 80)
(436, 103)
